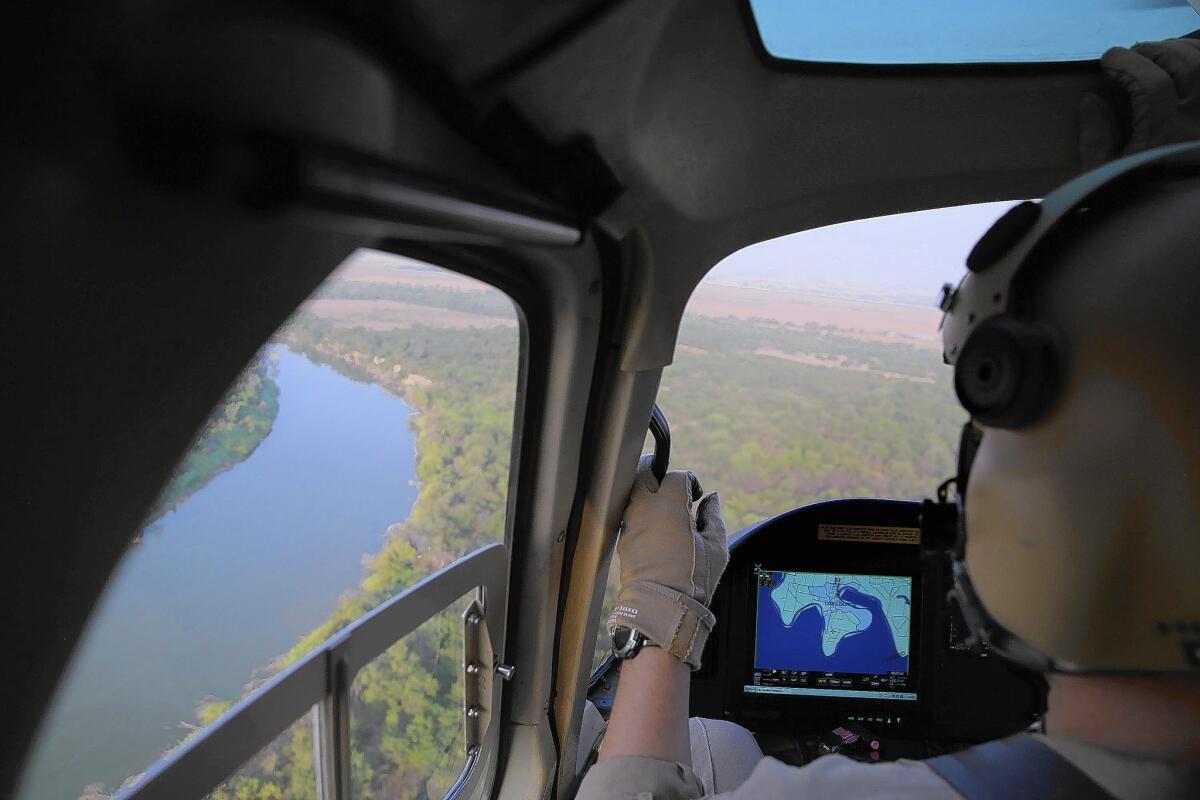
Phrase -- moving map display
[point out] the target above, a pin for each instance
(833, 635)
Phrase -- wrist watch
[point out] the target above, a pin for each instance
(627, 642)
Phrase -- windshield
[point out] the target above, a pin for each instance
(809, 368)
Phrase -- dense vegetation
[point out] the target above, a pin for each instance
(236, 427)
(770, 433)
(485, 304)
(772, 416)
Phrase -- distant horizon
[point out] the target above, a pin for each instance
(910, 254)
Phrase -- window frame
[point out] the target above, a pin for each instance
(564, 305)
(537, 283)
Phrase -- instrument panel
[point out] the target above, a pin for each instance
(836, 613)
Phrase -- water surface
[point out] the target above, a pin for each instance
(232, 578)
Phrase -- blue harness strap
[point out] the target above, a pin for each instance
(1017, 767)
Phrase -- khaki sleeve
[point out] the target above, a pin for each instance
(838, 776)
(639, 778)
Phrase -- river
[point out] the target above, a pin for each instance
(231, 578)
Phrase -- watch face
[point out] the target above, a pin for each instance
(621, 637)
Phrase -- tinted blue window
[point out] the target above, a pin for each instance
(963, 31)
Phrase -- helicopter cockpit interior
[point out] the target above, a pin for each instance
(181, 177)
(924, 687)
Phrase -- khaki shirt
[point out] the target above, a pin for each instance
(635, 778)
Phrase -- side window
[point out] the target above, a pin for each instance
(365, 447)
(809, 368)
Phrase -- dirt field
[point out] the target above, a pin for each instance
(814, 360)
(876, 322)
(368, 267)
(863, 319)
(390, 314)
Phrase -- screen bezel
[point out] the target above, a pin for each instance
(793, 545)
(962, 696)
(913, 687)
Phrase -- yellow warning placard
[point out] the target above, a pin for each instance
(868, 534)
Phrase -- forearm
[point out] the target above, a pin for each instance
(650, 713)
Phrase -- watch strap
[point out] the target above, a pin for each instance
(670, 619)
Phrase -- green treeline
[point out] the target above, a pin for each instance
(770, 432)
(233, 431)
(483, 303)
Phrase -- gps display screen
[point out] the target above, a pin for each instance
(833, 635)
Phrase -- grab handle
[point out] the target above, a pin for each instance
(661, 432)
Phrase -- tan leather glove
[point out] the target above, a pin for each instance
(673, 551)
(1157, 86)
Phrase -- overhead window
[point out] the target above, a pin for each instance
(957, 32)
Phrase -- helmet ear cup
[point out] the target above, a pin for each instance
(1007, 375)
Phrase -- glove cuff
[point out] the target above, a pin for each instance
(670, 619)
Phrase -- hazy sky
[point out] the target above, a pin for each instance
(907, 253)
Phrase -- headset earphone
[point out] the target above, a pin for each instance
(1009, 368)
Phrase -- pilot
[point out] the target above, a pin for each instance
(1081, 522)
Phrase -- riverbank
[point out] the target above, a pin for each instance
(407, 703)
(235, 429)
(237, 574)
(361, 368)
(460, 387)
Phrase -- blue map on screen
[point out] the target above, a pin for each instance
(824, 622)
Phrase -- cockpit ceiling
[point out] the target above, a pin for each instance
(696, 124)
(717, 146)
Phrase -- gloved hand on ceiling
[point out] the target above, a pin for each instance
(1157, 95)
(672, 550)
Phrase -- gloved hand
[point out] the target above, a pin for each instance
(1157, 86)
(672, 551)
